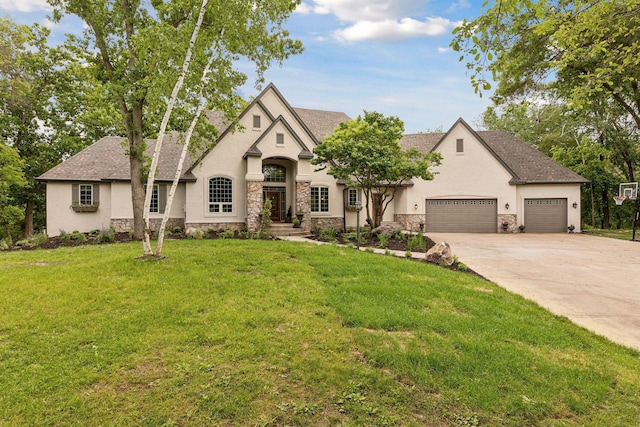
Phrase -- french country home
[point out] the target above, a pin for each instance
(488, 182)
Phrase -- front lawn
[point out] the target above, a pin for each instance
(271, 333)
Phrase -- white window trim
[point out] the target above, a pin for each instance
(207, 204)
(321, 212)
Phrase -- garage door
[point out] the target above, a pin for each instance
(462, 216)
(545, 215)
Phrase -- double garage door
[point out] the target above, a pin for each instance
(481, 215)
(462, 216)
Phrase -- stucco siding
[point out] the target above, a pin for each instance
(475, 173)
(65, 219)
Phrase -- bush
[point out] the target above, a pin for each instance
(78, 236)
(64, 236)
(3, 245)
(407, 254)
(177, 230)
(39, 238)
(227, 234)
(196, 234)
(383, 240)
(416, 242)
(107, 236)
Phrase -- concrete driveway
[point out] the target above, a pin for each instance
(594, 281)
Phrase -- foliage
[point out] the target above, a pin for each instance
(265, 220)
(370, 343)
(107, 236)
(196, 234)
(50, 108)
(227, 234)
(138, 50)
(365, 153)
(584, 52)
(383, 240)
(11, 179)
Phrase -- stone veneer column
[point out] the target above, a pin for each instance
(510, 220)
(254, 205)
(303, 203)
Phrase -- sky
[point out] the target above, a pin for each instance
(390, 56)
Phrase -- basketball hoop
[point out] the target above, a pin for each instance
(619, 199)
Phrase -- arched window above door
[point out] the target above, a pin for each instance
(274, 173)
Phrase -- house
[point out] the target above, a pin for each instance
(487, 182)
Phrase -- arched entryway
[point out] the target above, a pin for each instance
(278, 176)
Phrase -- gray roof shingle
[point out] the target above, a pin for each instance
(321, 123)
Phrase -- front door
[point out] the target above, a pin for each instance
(274, 196)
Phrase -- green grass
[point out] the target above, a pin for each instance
(613, 234)
(263, 333)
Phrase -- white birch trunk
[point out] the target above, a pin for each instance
(146, 245)
(185, 148)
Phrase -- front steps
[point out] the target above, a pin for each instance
(280, 229)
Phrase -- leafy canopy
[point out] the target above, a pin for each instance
(366, 153)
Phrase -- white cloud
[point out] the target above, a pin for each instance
(392, 30)
(443, 49)
(304, 9)
(24, 5)
(382, 20)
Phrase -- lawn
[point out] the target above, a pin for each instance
(270, 333)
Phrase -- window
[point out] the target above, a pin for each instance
(459, 145)
(85, 197)
(274, 173)
(319, 199)
(279, 138)
(86, 194)
(256, 122)
(220, 195)
(353, 196)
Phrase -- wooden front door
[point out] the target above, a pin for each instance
(274, 196)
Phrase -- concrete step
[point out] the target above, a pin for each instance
(280, 229)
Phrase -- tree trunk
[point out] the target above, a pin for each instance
(605, 208)
(136, 161)
(28, 219)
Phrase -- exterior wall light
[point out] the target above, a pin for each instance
(415, 206)
(575, 205)
(506, 206)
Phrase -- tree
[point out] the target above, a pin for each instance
(583, 51)
(50, 108)
(365, 153)
(140, 48)
(11, 178)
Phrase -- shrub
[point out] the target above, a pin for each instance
(387, 252)
(39, 238)
(416, 242)
(3, 245)
(407, 254)
(94, 232)
(23, 243)
(383, 240)
(64, 236)
(462, 267)
(176, 230)
(227, 234)
(107, 236)
(78, 236)
(369, 249)
(196, 234)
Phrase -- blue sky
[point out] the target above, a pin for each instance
(390, 56)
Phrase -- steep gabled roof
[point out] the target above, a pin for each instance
(526, 164)
(321, 123)
(305, 153)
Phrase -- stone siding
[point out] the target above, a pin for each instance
(329, 222)
(254, 205)
(512, 223)
(123, 225)
(303, 203)
(410, 222)
(215, 226)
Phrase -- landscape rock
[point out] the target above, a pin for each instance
(387, 228)
(440, 252)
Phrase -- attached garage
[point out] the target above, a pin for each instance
(545, 215)
(461, 216)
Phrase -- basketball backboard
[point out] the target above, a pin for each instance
(629, 190)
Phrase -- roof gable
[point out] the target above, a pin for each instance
(254, 150)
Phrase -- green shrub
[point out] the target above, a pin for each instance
(107, 236)
(416, 242)
(196, 234)
(23, 243)
(383, 240)
(387, 252)
(64, 236)
(369, 249)
(39, 238)
(78, 236)
(94, 233)
(462, 267)
(227, 234)
(177, 230)
(407, 254)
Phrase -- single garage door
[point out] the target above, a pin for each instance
(462, 216)
(545, 215)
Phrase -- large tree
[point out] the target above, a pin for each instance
(583, 51)
(50, 108)
(11, 179)
(366, 154)
(140, 49)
